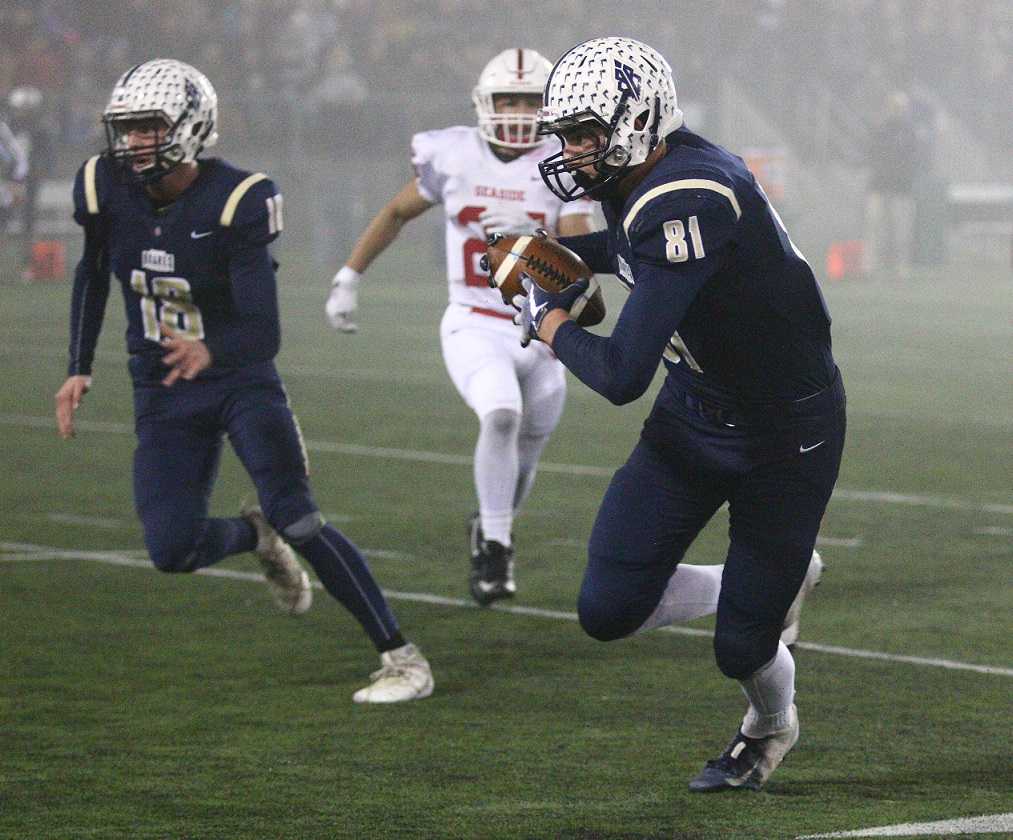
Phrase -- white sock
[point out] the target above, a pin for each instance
(496, 469)
(692, 592)
(771, 692)
(541, 416)
(529, 450)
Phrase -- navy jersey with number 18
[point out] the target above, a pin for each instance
(199, 266)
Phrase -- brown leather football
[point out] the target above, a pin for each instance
(549, 264)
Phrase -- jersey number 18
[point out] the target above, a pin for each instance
(167, 300)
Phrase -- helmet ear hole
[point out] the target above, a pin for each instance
(196, 129)
(641, 121)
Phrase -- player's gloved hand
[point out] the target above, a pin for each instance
(506, 220)
(344, 300)
(538, 303)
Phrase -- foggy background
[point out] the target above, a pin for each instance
(325, 94)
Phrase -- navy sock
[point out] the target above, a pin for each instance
(343, 571)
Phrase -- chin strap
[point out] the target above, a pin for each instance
(617, 115)
(654, 125)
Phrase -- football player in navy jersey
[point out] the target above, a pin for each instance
(751, 412)
(188, 241)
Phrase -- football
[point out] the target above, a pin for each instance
(549, 264)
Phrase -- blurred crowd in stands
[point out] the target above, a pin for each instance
(300, 65)
(309, 88)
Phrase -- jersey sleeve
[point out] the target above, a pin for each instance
(91, 277)
(253, 211)
(91, 190)
(686, 222)
(425, 155)
(593, 249)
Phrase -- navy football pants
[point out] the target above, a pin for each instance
(670, 486)
(179, 444)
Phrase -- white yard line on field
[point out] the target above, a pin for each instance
(12, 552)
(985, 824)
(105, 522)
(398, 454)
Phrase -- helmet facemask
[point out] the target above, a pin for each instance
(564, 175)
(165, 153)
(509, 130)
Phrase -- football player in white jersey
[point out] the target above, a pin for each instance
(486, 177)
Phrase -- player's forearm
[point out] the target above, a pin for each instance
(603, 364)
(87, 305)
(621, 366)
(378, 235)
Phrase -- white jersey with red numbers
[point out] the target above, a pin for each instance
(456, 168)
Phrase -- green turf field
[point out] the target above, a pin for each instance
(139, 705)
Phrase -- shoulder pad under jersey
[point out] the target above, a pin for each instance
(429, 152)
(91, 189)
(681, 220)
(253, 208)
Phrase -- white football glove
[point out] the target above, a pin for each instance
(506, 220)
(344, 300)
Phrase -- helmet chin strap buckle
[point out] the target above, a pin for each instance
(617, 157)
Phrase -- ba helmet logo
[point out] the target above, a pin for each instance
(629, 80)
(192, 94)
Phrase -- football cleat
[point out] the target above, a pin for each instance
(746, 762)
(289, 583)
(813, 576)
(404, 675)
(492, 566)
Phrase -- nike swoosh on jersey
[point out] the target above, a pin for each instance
(803, 448)
(195, 235)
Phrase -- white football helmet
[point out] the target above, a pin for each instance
(512, 71)
(621, 86)
(175, 93)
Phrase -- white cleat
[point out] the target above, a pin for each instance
(404, 675)
(813, 575)
(290, 585)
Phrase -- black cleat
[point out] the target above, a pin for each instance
(746, 763)
(492, 567)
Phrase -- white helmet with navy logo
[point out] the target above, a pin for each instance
(622, 86)
(519, 71)
(172, 92)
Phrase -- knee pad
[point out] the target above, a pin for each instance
(304, 529)
(739, 654)
(172, 546)
(501, 422)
